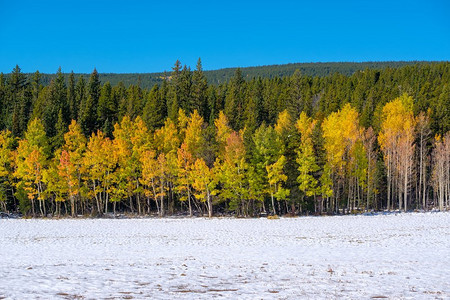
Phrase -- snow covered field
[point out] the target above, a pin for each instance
(404, 256)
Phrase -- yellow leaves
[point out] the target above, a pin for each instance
(397, 127)
(397, 122)
(98, 159)
(340, 131)
(275, 171)
(68, 173)
(223, 131)
(166, 138)
(202, 180)
(276, 178)
(193, 136)
(234, 149)
(6, 153)
(31, 158)
(305, 126)
(284, 123)
(75, 139)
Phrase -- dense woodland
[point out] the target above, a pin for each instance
(148, 80)
(372, 140)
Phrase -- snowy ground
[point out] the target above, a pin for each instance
(404, 256)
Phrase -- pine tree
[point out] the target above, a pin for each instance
(80, 97)
(199, 90)
(153, 112)
(88, 108)
(71, 98)
(106, 110)
(234, 101)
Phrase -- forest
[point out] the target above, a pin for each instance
(375, 139)
(148, 80)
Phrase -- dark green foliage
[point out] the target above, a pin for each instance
(72, 97)
(88, 105)
(217, 77)
(61, 128)
(199, 92)
(234, 101)
(107, 106)
(154, 109)
(252, 99)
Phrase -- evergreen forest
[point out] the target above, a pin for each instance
(243, 144)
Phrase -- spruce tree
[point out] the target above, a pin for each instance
(71, 97)
(234, 101)
(199, 90)
(153, 115)
(88, 109)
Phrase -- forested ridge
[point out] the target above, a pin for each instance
(371, 139)
(148, 80)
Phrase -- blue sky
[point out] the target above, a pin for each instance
(148, 36)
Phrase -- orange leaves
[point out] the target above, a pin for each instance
(68, 172)
(234, 149)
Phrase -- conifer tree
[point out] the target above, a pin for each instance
(199, 90)
(88, 107)
(71, 98)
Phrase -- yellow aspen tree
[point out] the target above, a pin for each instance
(223, 132)
(184, 179)
(194, 135)
(57, 180)
(276, 178)
(396, 140)
(140, 141)
(70, 164)
(369, 141)
(233, 174)
(306, 159)
(149, 177)
(163, 175)
(6, 164)
(341, 131)
(166, 138)
(204, 183)
(99, 163)
(441, 171)
(31, 159)
(122, 178)
(166, 142)
(423, 133)
(267, 150)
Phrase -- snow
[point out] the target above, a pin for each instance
(401, 256)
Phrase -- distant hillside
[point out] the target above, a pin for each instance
(147, 80)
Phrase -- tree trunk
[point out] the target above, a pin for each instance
(189, 200)
(273, 203)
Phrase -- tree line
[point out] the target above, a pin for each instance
(148, 80)
(378, 139)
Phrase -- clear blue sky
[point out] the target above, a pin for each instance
(148, 36)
